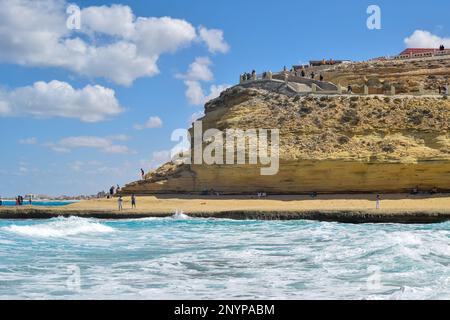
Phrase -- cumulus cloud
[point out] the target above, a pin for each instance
(425, 39)
(214, 40)
(104, 144)
(112, 43)
(152, 122)
(199, 71)
(60, 99)
(28, 141)
(197, 96)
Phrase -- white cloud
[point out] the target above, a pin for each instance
(116, 20)
(197, 96)
(60, 99)
(29, 141)
(214, 40)
(112, 42)
(105, 144)
(152, 122)
(199, 71)
(425, 39)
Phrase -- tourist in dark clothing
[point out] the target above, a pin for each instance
(111, 191)
(1, 202)
(349, 89)
(312, 75)
(321, 77)
(142, 174)
(303, 73)
(133, 201)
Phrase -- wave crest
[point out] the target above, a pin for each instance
(60, 227)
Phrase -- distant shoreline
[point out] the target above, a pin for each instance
(398, 208)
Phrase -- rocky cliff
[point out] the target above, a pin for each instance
(328, 143)
(405, 75)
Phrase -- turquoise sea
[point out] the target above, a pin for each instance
(183, 258)
(40, 203)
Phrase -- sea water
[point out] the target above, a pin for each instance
(39, 203)
(184, 258)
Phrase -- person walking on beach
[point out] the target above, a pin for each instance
(120, 203)
(377, 205)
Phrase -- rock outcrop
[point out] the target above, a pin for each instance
(328, 143)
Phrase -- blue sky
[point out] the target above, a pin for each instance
(43, 154)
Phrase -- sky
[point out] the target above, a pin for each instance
(84, 106)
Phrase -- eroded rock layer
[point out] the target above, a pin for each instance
(328, 144)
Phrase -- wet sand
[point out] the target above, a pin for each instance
(399, 208)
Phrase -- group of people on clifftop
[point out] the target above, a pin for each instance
(246, 76)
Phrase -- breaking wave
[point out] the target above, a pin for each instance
(60, 227)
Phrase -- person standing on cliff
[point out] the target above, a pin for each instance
(377, 205)
(120, 203)
(142, 174)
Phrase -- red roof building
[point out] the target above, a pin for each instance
(413, 51)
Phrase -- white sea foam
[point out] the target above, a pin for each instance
(60, 227)
(179, 215)
(185, 259)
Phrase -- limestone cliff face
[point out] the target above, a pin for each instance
(405, 75)
(328, 144)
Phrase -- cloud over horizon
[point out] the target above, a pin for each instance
(425, 39)
(59, 99)
(104, 144)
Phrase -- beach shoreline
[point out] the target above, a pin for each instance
(358, 208)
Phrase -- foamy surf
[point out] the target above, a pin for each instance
(60, 227)
(179, 215)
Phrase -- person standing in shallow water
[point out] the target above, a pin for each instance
(377, 204)
(133, 201)
(120, 203)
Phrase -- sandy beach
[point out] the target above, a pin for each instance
(360, 208)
